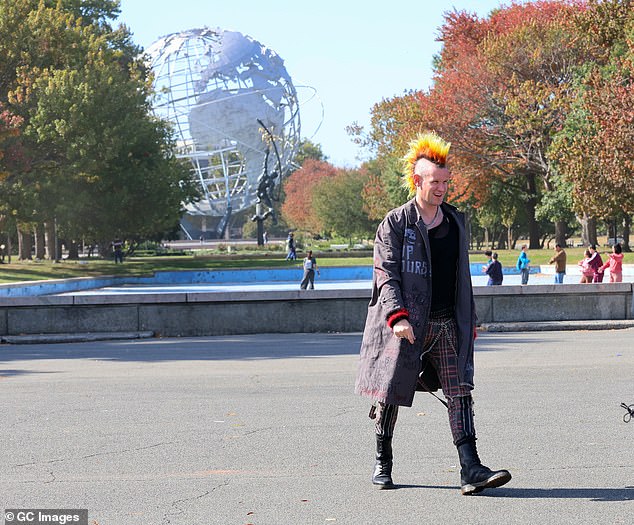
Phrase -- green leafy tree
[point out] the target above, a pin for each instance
(336, 201)
(383, 189)
(99, 164)
(309, 150)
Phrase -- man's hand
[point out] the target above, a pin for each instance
(403, 330)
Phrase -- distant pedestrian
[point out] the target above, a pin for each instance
(596, 263)
(117, 247)
(489, 256)
(587, 272)
(560, 264)
(494, 271)
(310, 267)
(615, 264)
(523, 264)
(265, 238)
(291, 254)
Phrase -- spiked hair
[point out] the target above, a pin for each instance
(425, 146)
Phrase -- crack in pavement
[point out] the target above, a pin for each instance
(175, 504)
(124, 451)
(248, 433)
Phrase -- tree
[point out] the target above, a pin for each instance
(501, 91)
(297, 208)
(383, 189)
(309, 150)
(11, 158)
(99, 164)
(594, 151)
(335, 201)
(122, 173)
(9, 150)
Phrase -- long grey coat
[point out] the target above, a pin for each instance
(389, 366)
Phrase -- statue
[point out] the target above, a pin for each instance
(266, 186)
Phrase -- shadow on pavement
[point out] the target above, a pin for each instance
(239, 347)
(592, 494)
(499, 341)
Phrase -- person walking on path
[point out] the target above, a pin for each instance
(291, 254)
(596, 263)
(310, 267)
(560, 264)
(489, 255)
(494, 271)
(614, 264)
(523, 264)
(420, 326)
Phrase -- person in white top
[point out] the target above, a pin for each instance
(310, 267)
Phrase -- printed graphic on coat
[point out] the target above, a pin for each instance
(412, 261)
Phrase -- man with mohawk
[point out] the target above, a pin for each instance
(420, 326)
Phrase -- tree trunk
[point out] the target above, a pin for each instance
(627, 222)
(73, 250)
(40, 241)
(105, 249)
(560, 233)
(52, 254)
(531, 204)
(502, 239)
(25, 243)
(588, 230)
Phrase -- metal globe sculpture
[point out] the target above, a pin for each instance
(235, 111)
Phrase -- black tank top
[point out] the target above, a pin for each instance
(443, 241)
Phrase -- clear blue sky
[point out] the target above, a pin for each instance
(353, 53)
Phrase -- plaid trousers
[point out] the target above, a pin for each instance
(439, 351)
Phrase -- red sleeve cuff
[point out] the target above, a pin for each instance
(396, 316)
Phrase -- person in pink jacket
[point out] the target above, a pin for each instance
(614, 264)
(587, 272)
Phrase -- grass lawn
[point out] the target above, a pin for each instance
(45, 270)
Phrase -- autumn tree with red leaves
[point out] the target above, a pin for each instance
(502, 89)
(595, 150)
(297, 209)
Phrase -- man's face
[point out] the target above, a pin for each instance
(431, 182)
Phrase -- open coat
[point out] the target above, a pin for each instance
(389, 367)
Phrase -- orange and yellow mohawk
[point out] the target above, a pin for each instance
(425, 146)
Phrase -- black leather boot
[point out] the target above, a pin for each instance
(382, 476)
(474, 476)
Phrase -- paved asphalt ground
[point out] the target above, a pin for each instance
(265, 430)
